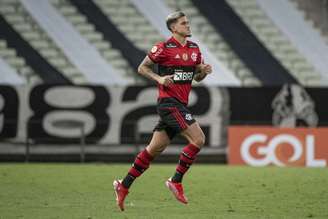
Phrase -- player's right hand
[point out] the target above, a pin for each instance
(166, 80)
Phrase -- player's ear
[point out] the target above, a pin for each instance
(172, 27)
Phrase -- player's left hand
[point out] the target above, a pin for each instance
(206, 69)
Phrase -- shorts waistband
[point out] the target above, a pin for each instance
(170, 100)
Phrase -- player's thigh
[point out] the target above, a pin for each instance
(194, 134)
(158, 143)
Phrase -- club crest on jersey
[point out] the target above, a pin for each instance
(188, 117)
(185, 56)
(194, 56)
(154, 49)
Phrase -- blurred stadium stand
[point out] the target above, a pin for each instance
(131, 23)
(278, 44)
(244, 43)
(77, 49)
(122, 48)
(9, 74)
(122, 34)
(302, 35)
(316, 11)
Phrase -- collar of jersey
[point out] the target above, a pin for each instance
(177, 42)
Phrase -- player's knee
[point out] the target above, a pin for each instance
(199, 141)
(155, 150)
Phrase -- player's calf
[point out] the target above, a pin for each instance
(140, 165)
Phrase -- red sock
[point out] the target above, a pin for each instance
(141, 163)
(187, 157)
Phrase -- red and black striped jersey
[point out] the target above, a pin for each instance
(174, 58)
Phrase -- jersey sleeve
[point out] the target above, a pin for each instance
(200, 58)
(156, 54)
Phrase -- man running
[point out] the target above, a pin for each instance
(180, 63)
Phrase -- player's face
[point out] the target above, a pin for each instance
(182, 27)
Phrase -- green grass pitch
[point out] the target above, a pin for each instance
(42, 191)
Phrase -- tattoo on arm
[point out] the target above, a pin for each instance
(199, 75)
(145, 69)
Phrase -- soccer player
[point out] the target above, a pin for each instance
(179, 62)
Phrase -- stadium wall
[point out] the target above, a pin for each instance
(99, 123)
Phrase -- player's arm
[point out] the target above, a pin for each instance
(202, 70)
(145, 69)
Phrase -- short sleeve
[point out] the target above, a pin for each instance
(199, 58)
(156, 54)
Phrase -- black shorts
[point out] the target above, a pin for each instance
(174, 116)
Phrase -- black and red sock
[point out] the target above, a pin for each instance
(140, 164)
(186, 159)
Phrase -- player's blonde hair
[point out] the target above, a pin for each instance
(173, 17)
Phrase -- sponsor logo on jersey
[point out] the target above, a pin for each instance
(159, 51)
(185, 56)
(171, 45)
(183, 76)
(194, 56)
(177, 56)
(192, 45)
